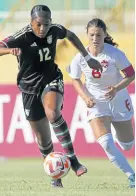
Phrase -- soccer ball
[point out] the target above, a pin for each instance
(56, 165)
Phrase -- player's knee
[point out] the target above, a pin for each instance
(52, 115)
(127, 146)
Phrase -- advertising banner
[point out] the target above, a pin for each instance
(18, 140)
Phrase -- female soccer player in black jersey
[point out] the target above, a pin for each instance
(41, 81)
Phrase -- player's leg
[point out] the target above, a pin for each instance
(42, 131)
(125, 139)
(124, 134)
(122, 110)
(40, 125)
(101, 129)
(52, 101)
(35, 114)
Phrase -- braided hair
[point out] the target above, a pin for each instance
(42, 10)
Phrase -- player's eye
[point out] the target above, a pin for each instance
(38, 25)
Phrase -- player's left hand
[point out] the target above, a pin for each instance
(111, 93)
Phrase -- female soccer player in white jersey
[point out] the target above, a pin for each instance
(105, 94)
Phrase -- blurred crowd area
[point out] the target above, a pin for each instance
(74, 15)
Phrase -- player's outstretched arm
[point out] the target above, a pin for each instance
(4, 50)
(13, 51)
(93, 64)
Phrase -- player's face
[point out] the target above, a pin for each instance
(41, 26)
(96, 36)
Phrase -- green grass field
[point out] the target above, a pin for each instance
(27, 178)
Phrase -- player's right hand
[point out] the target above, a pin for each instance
(15, 51)
(89, 102)
(94, 64)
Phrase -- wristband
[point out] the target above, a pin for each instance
(87, 57)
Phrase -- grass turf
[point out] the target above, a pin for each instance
(25, 177)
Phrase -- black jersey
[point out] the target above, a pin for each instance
(36, 62)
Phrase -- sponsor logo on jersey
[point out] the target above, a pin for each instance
(49, 39)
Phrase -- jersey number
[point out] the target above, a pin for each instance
(128, 105)
(96, 74)
(44, 54)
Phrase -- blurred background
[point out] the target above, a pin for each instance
(74, 15)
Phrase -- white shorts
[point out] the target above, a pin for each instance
(119, 109)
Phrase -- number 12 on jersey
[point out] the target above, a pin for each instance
(44, 54)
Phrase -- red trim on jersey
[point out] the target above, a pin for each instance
(3, 44)
(129, 71)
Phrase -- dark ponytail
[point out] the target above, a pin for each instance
(109, 40)
(99, 23)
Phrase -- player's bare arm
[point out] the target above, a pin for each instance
(130, 76)
(4, 50)
(125, 82)
(13, 51)
(80, 90)
(93, 64)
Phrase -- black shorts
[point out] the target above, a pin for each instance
(32, 103)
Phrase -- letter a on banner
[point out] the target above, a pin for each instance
(19, 122)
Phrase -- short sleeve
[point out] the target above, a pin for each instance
(60, 30)
(14, 41)
(74, 68)
(122, 61)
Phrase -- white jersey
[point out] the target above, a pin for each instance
(112, 60)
